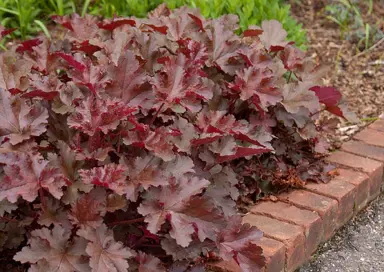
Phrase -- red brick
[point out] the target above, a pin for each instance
(362, 183)
(365, 150)
(354, 161)
(371, 136)
(375, 183)
(326, 207)
(377, 125)
(224, 266)
(373, 168)
(274, 252)
(309, 220)
(291, 235)
(342, 191)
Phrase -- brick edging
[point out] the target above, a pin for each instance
(299, 221)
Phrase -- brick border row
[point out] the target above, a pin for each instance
(299, 221)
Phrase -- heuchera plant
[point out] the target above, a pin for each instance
(120, 139)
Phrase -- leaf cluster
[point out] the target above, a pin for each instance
(120, 138)
(31, 16)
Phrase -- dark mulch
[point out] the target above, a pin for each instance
(359, 76)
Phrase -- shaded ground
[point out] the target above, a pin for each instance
(357, 247)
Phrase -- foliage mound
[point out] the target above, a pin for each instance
(120, 139)
(29, 15)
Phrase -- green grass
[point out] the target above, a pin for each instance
(32, 16)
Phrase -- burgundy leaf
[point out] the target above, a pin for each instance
(177, 204)
(144, 172)
(95, 114)
(332, 99)
(311, 72)
(155, 127)
(160, 10)
(93, 77)
(225, 45)
(157, 141)
(41, 58)
(292, 57)
(28, 45)
(252, 81)
(253, 32)
(25, 174)
(148, 263)
(128, 78)
(87, 211)
(53, 250)
(160, 29)
(196, 53)
(40, 93)
(342, 111)
(81, 28)
(85, 47)
(45, 87)
(174, 85)
(329, 96)
(297, 96)
(111, 176)
(242, 152)
(237, 241)
(13, 71)
(54, 213)
(223, 190)
(18, 120)
(193, 251)
(62, 20)
(106, 254)
(198, 20)
(71, 61)
(180, 24)
(115, 23)
(273, 36)
(4, 31)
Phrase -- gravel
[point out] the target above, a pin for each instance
(357, 247)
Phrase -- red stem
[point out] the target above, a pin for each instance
(119, 143)
(126, 222)
(157, 113)
(2, 218)
(312, 114)
(42, 199)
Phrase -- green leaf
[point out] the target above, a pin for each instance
(43, 28)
